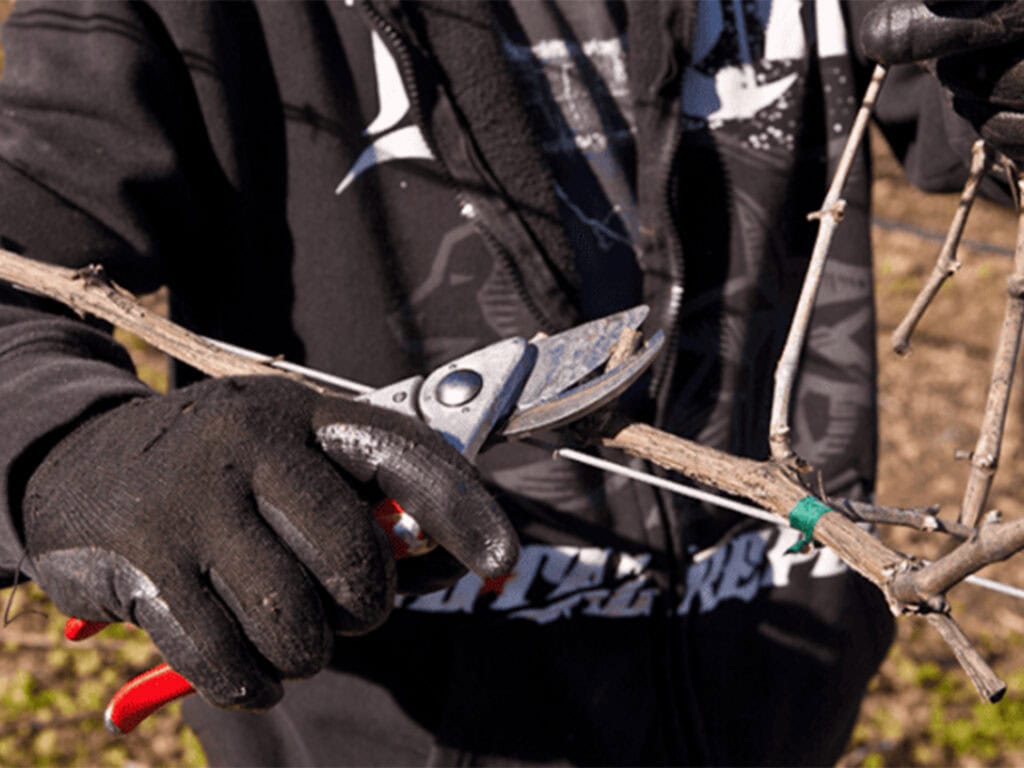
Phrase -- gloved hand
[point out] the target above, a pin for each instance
(219, 519)
(976, 49)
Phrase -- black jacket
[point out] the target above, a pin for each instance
(236, 154)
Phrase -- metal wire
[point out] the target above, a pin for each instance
(585, 458)
(353, 387)
(735, 506)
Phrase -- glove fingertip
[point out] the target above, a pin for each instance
(490, 549)
(499, 558)
(884, 35)
(368, 616)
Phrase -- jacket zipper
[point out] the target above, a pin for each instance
(666, 366)
(663, 375)
(406, 70)
(406, 66)
(498, 250)
(681, 700)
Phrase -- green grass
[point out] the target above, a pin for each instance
(989, 731)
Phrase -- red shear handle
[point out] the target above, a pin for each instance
(142, 696)
(405, 536)
(80, 629)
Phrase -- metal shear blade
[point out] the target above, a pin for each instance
(565, 359)
(540, 383)
(585, 398)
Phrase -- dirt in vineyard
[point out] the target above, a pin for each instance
(921, 710)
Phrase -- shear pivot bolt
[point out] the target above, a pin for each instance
(459, 387)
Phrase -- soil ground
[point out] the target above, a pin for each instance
(920, 710)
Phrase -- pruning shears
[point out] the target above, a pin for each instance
(510, 389)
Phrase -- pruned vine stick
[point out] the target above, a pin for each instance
(990, 543)
(829, 216)
(985, 458)
(774, 487)
(771, 485)
(88, 292)
(627, 343)
(947, 263)
(923, 519)
(989, 685)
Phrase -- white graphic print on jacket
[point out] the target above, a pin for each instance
(560, 582)
(584, 110)
(747, 57)
(389, 141)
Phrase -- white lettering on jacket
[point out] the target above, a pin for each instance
(551, 583)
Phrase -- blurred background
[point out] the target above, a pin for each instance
(921, 710)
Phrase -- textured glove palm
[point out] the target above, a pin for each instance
(976, 49)
(222, 520)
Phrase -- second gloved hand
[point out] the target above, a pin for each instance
(217, 520)
(976, 49)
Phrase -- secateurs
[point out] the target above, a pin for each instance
(510, 389)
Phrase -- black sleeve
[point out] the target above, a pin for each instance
(94, 107)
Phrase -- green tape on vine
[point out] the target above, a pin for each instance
(804, 516)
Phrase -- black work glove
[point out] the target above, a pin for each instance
(976, 49)
(220, 519)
